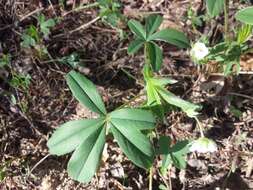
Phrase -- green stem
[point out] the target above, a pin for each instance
(150, 178)
(226, 5)
(146, 57)
(170, 184)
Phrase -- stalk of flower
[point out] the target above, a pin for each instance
(202, 144)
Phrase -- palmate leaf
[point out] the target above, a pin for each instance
(189, 108)
(45, 25)
(85, 160)
(137, 29)
(126, 125)
(175, 155)
(171, 36)
(245, 15)
(162, 81)
(87, 138)
(152, 23)
(133, 118)
(134, 144)
(85, 92)
(148, 36)
(155, 55)
(154, 100)
(214, 7)
(69, 135)
(135, 45)
(158, 95)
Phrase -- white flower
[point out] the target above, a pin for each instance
(203, 145)
(199, 51)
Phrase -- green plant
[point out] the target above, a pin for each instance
(87, 137)
(245, 15)
(20, 81)
(215, 7)
(196, 20)
(159, 98)
(45, 25)
(157, 95)
(30, 38)
(130, 127)
(5, 60)
(34, 35)
(175, 154)
(227, 53)
(146, 36)
(110, 12)
(71, 60)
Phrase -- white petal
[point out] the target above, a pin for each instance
(199, 51)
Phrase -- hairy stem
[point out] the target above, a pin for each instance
(226, 11)
(146, 56)
(170, 183)
(150, 178)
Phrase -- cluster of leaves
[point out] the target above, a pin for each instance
(72, 60)
(33, 36)
(175, 154)
(17, 80)
(157, 96)
(20, 81)
(4, 60)
(87, 137)
(228, 53)
(196, 20)
(110, 12)
(147, 36)
(215, 7)
(128, 126)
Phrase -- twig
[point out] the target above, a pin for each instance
(240, 95)
(86, 25)
(36, 165)
(82, 7)
(30, 14)
(240, 73)
(250, 167)
(52, 7)
(22, 19)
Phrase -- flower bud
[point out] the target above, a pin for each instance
(203, 145)
(199, 51)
